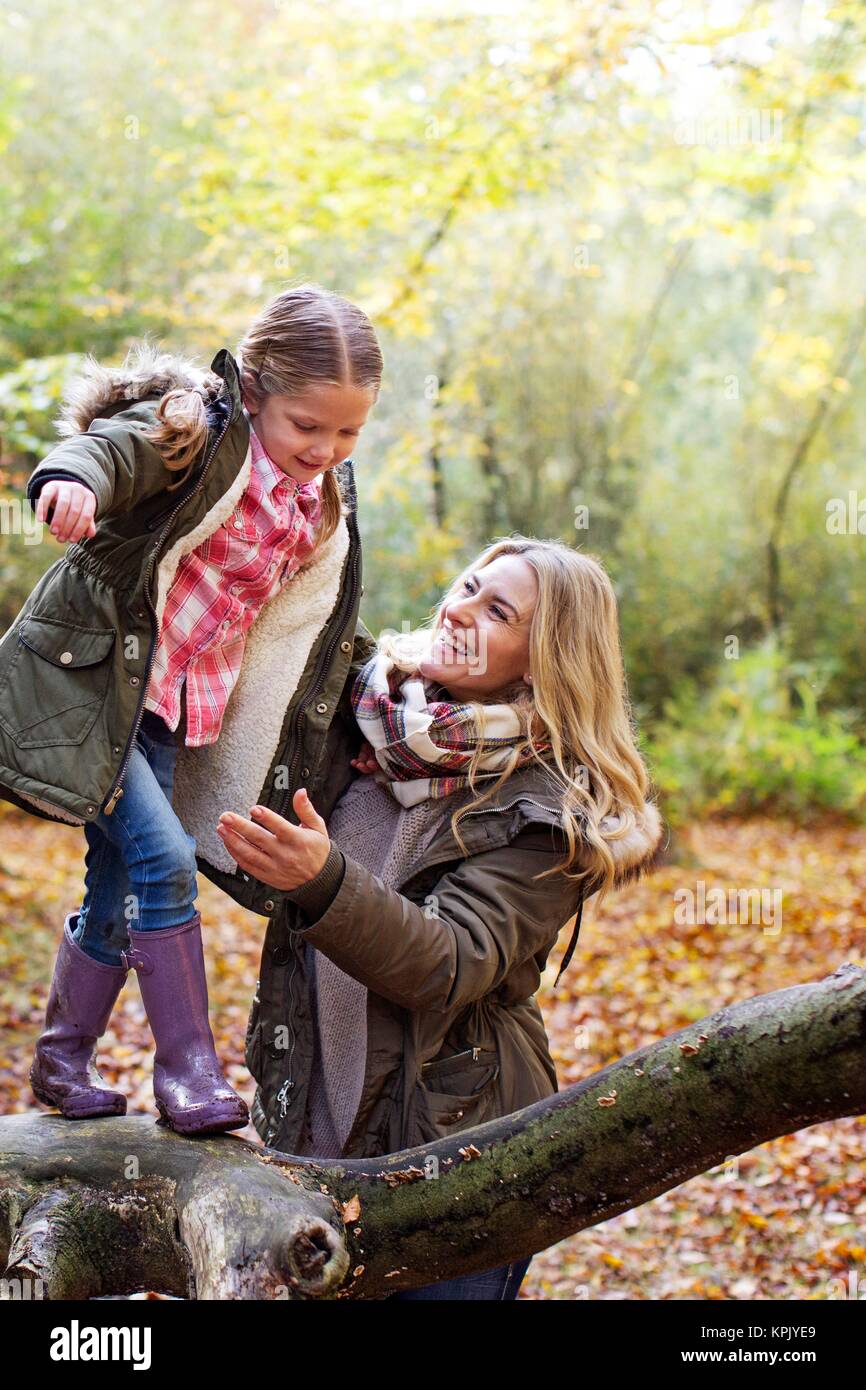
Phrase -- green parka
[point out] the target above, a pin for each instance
(75, 663)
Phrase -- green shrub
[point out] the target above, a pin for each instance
(758, 741)
(29, 401)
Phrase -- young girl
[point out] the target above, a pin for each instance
(105, 684)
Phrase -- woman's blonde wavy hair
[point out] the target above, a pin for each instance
(578, 702)
(305, 336)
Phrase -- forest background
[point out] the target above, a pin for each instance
(614, 256)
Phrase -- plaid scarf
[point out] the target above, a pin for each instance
(424, 745)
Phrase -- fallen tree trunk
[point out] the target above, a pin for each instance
(115, 1205)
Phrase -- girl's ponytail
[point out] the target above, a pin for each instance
(332, 506)
(181, 432)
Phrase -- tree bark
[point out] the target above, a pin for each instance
(115, 1205)
(496, 501)
(434, 453)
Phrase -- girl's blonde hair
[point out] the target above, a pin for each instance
(577, 704)
(305, 336)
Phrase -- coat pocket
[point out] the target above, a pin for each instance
(455, 1093)
(54, 683)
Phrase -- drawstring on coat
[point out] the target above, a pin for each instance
(566, 959)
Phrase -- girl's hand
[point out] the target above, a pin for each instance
(366, 759)
(272, 849)
(74, 509)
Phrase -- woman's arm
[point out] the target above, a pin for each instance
(480, 919)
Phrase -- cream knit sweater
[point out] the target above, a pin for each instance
(371, 827)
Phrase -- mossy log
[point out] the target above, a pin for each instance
(110, 1206)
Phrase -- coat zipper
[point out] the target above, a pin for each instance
(117, 790)
(473, 1052)
(282, 1098)
(493, 810)
(288, 1084)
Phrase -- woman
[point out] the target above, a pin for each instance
(396, 1000)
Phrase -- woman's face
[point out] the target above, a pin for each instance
(311, 431)
(482, 640)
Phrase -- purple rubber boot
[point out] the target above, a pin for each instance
(191, 1093)
(82, 995)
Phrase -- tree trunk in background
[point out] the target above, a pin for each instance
(495, 511)
(434, 453)
(775, 598)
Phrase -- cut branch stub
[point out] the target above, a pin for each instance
(119, 1204)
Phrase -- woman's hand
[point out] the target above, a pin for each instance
(366, 759)
(74, 509)
(272, 849)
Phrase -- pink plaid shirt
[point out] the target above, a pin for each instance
(219, 590)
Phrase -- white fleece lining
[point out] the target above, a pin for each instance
(229, 775)
(52, 808)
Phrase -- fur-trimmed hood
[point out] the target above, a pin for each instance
(638, 850)
(146, 371)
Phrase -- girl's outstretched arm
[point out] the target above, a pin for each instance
(119, 465)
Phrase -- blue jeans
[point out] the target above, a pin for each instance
(140, 865)
(495, 1285)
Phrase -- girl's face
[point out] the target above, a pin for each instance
(481, 645)
(308, 433)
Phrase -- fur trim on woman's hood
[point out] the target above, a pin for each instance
(145, 371)
(638, 850)
(535, 785)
